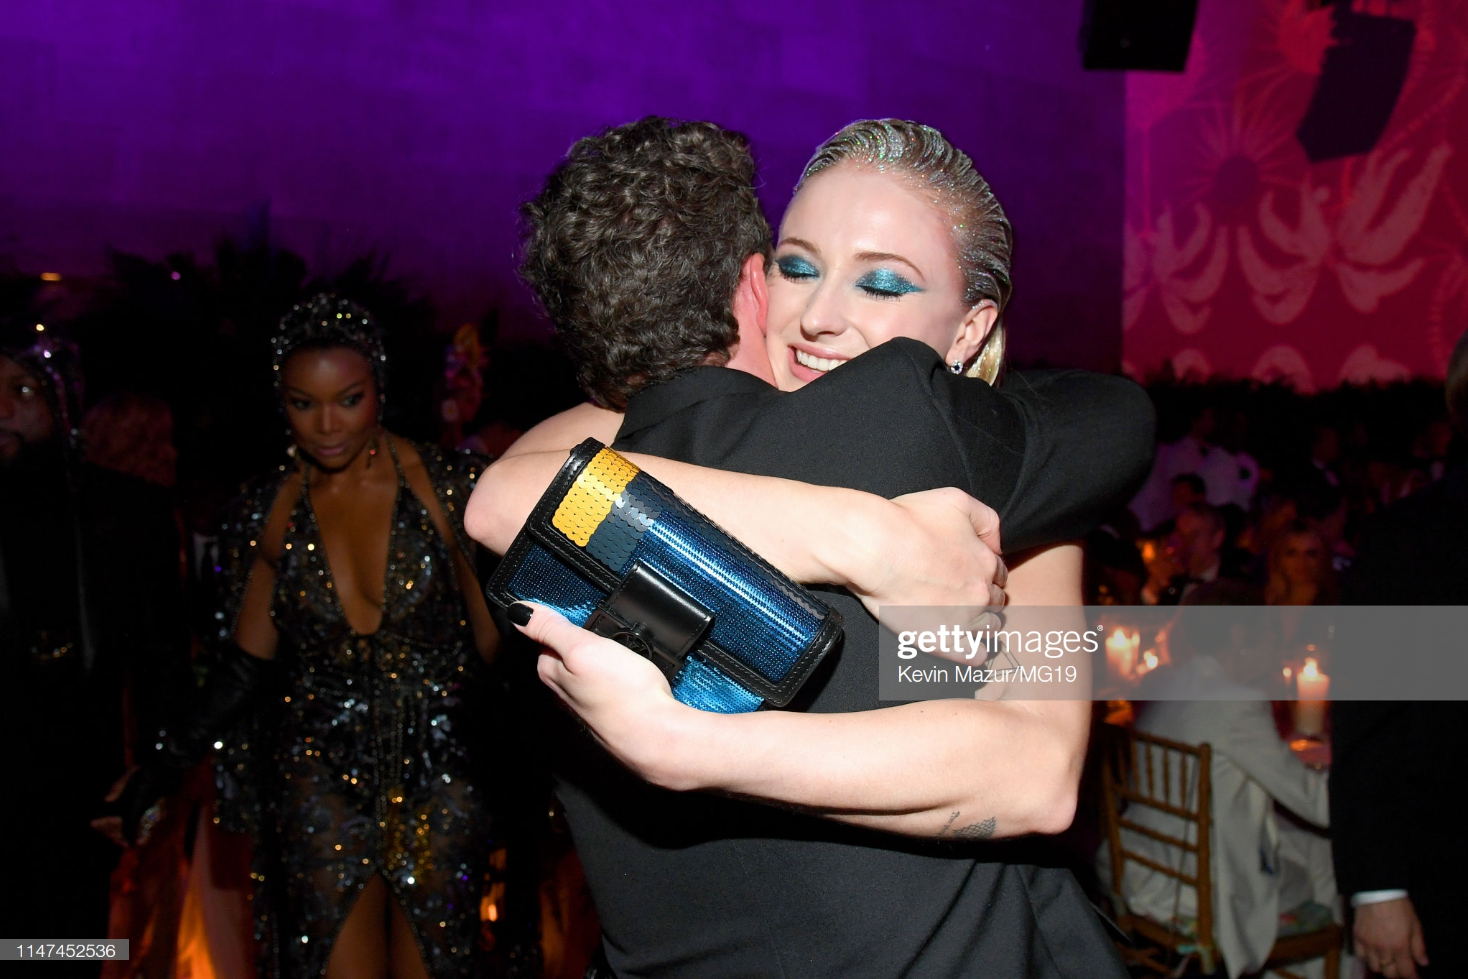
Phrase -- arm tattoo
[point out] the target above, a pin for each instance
(973, 831)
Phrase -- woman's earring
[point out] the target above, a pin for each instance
(956, 367)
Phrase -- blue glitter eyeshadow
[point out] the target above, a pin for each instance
(793, 267)
(884, 282)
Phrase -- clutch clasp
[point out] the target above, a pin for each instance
(653, 617)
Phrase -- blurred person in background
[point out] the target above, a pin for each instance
(133, 434)
(1162, 568)
(465, 365)
(1187, 489)
(1431, 449)
(1153, 504)
(1195, 556)
(1327, 510)
(1276, 513)
(1270, 877)
(1114, 573)
(91, 632)
(1399, 779)
(1325, 454)
(1230, 473)
(463, 385)
(1300, 571)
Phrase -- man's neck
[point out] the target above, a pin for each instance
(752, 359)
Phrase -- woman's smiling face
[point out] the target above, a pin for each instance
(863, 258)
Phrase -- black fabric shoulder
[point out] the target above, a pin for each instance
(894, 416)
(888, 422)
(1089, 446)
(871, 425)
(1412, 552)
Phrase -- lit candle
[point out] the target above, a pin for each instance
(1314, 687)
(1121, 652)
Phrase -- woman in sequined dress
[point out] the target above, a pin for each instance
(351, 634)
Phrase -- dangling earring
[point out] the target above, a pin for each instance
(372, 449)
(290, 444)
(956, 367)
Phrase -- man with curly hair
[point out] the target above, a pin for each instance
(620, 252)
(648, 249)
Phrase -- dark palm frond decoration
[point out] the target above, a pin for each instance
(198, 335)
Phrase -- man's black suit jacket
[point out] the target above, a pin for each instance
(1399, 775)
(691, 885)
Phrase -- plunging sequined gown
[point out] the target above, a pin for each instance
(363, 764)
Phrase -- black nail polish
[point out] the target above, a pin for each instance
(520, 613)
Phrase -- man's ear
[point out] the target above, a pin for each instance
(751, 307)
(972, 332)
(752, 298)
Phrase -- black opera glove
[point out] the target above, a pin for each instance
(234, 682)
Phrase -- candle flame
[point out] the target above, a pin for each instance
(1312, 668)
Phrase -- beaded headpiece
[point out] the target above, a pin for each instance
(325, 320)
(56, 363)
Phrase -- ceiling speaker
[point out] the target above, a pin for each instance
(1138, 35)
(1359, 83)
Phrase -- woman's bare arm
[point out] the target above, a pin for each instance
(255, 631)
(957, 769)
(932, 548)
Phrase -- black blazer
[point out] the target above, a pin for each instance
(1399, 775)
(692, 885)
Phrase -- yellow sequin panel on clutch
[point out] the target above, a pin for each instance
(589, 500)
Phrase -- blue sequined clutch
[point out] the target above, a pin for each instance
(615, 551)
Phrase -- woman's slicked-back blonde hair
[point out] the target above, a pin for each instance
(982, 236)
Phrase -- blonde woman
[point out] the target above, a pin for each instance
(886, 287)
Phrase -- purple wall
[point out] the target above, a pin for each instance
(155, 125)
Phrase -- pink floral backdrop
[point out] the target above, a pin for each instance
(1242, 259)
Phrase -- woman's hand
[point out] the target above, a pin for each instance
(911, 769)
(937, 547)
(111, 826)
(622, 697)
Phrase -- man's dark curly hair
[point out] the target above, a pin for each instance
(635, 248)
